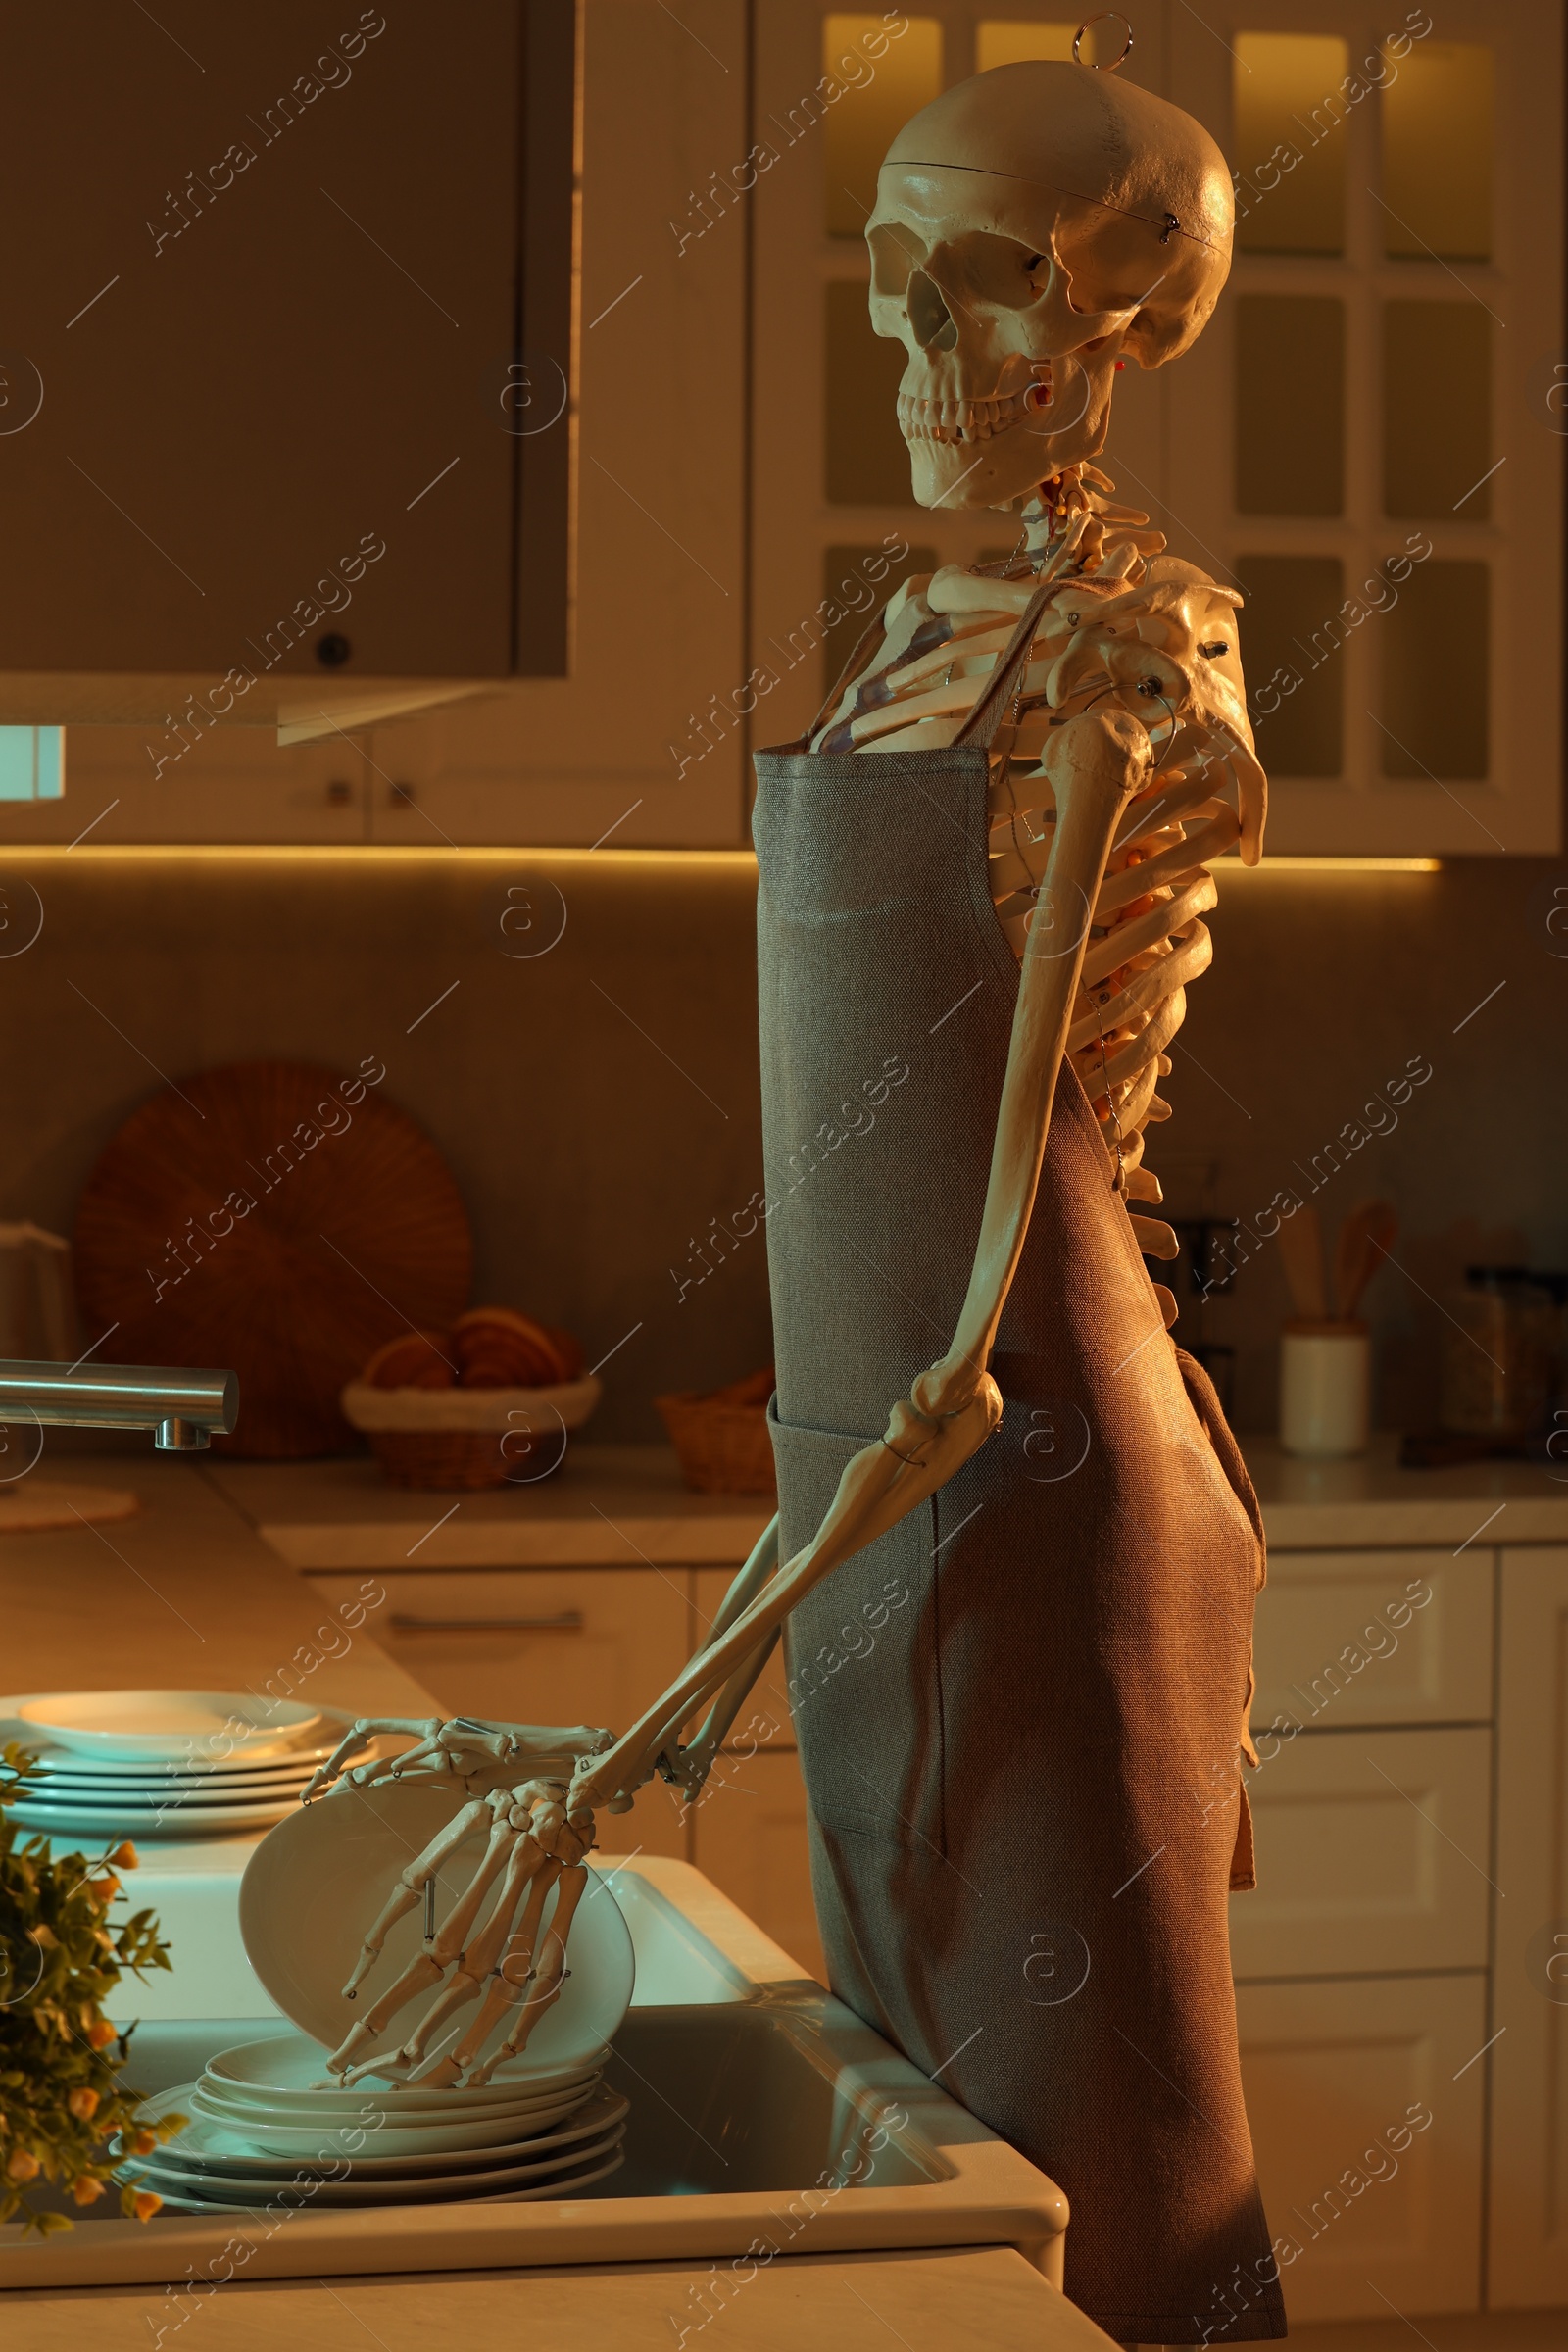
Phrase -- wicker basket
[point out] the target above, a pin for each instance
(464, 1439)
(723, 1448)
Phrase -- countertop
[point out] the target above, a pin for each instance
(1372, 1500)
(610, 1506)
(184, 1595)
(979, 2299)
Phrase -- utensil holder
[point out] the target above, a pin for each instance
(1325, 1388)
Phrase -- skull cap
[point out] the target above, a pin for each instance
(1097, 142)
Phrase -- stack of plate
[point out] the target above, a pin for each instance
(164, 1763)
(266, 2119)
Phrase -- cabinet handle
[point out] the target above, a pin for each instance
(564, 1621)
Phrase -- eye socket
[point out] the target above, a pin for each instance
(1214, 650)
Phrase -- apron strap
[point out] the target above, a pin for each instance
(983, 720)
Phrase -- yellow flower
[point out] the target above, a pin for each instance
(85, 2190)
(84, 2104)
(124, 1854)
(105, 1889)
(22, 2166)
(101, 2033)
(146, 2204)
(142, 2143)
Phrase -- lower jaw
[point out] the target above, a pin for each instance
(979, 474)
(1010, 465)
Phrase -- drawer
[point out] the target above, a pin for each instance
(764, 1719)
(1374, 1636)
(1337, 2078)
(1372, 1853)
(543, 1646)
(750, 1837)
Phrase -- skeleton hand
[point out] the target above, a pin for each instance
(482, 1755)
(517, 1781)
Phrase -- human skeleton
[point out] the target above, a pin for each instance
(1065, 224)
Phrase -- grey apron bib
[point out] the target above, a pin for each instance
(1019, 1712)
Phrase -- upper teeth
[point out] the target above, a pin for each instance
(959, 419)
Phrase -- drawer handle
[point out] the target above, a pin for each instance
(564, 1621)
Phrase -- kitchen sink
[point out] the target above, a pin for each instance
(690, 1944)
(766, 2119)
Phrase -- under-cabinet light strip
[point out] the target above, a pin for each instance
(397, 854)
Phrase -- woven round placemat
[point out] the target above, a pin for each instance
(278, 1219)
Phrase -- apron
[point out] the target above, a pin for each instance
(1020, 1712)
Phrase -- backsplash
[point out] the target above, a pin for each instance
(577, 1033)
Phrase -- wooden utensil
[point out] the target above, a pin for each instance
(1365, 1240)
(1302, 1252)
(282, 1219)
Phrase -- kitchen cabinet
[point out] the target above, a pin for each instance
(1398, 202)
(1369, 2140)
(312, 259)
(1397, 617)
(1373, 1850)
(373, 360)
(749, 1835)
(1529, 2205)
(1408, 1938)
(1372, 1636)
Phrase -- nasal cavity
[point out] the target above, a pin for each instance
(935, 329)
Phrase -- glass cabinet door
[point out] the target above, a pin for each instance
(1359, 437)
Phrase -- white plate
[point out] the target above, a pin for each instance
(558, 2190)
(54, 1767)
(245, 1759)
(313, 1889)
(349, 2107)
(149, 1795)
(206, 2148)
(142, 1821)
(61, 1765)
(168, 1725)
(421, 2187)
(66, 1797)
(307, 2137)
(288, 2066)
(230, 2115)
(552, 2189)
(212, 1789)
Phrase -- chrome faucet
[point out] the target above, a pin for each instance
(181, 1407)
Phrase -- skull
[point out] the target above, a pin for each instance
(1032, 226)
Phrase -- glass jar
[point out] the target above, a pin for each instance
(1499, 1353)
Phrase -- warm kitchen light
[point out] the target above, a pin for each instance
(1331, 866)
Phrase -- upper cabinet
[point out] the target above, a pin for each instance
(470, 429)
(1366, 441)
(369, 366)
(276, 289)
